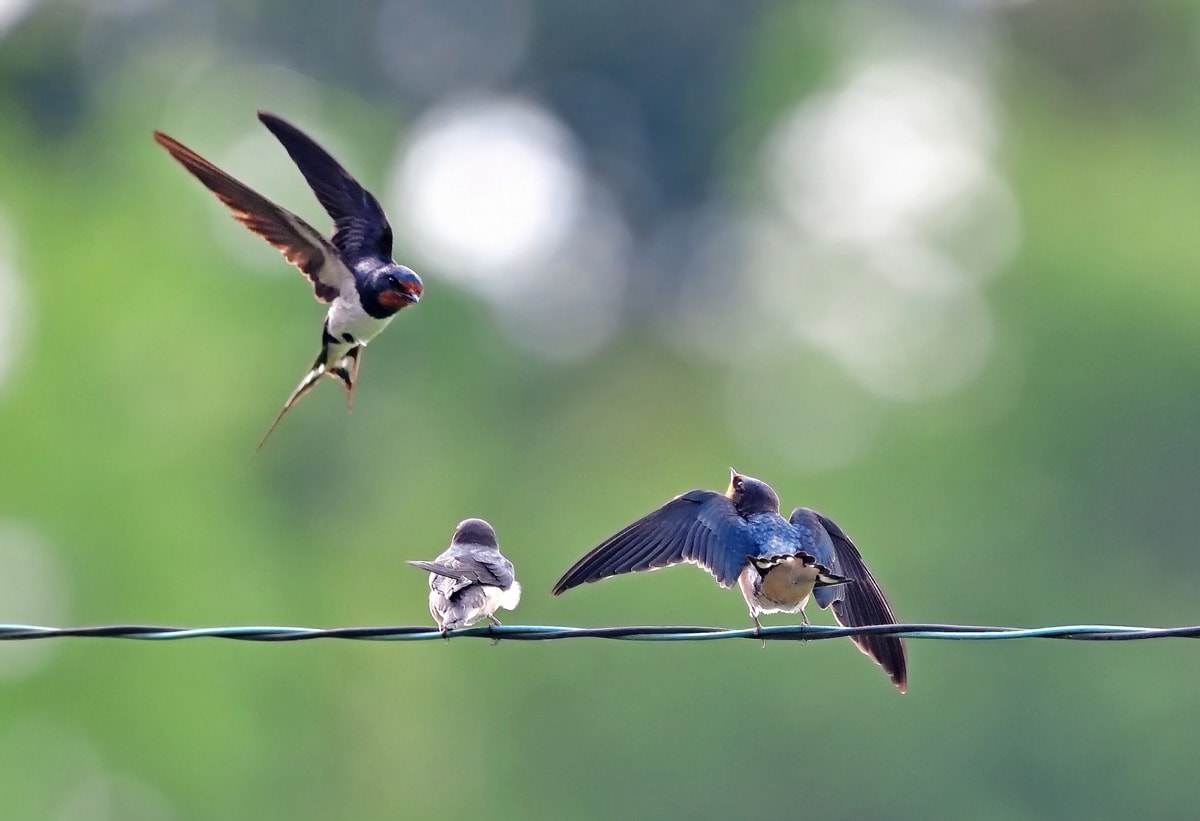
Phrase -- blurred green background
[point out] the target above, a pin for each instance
(931, 268)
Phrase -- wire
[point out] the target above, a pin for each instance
(810, 632)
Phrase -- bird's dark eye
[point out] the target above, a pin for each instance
(392, 281)
(737, 483)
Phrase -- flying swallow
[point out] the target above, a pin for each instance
(470, 579)
(354, 271)
(740, 537)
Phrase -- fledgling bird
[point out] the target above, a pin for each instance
(740, 537)
(354, 271)
(470, 580)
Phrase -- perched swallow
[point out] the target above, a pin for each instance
(470, 580)
(778, 563)
(354, 271)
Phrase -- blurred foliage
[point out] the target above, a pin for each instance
(1058, 488)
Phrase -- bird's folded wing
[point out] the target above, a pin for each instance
(859, 603)
(300, 243)
(472, 570)
(490, 568)
(362, 227)
(701, 527)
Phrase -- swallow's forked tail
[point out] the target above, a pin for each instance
(309, 382)
(344, 370)
(827, 579)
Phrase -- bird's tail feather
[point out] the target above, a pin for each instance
(309, 381)
(827, 579)
(346, 370)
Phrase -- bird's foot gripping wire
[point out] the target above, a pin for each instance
(805, 623)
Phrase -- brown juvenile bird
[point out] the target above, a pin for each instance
(778, 563)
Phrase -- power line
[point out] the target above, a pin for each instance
(811, 632)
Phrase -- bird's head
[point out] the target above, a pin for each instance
(398, 287)
(475, 531)
(750, 495)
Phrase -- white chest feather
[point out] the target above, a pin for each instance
(346, 317)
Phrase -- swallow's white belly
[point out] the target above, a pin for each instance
(350, 325)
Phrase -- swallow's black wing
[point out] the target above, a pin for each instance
(300, 243)
(362, 227)
(859, 603)
(473, 570)
(701, 527)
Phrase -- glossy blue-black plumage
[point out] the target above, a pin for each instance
(362, 226)
(363, 235)
(700, 527)
(724, 533)
(853, 604)
(353, 272)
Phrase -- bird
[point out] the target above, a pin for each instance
(353, 271)
(470, 580)
(741, 538)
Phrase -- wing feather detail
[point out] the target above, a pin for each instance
(701, 527)
(300, 243)
(859, 603)
(362, 226)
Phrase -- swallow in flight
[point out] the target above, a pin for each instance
(354, 271)
(470, 580)
(740, 537)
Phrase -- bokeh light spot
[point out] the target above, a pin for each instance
(487, 187)
(12, 12)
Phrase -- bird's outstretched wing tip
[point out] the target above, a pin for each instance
(887, 652)
(175, 148)
(566, 583)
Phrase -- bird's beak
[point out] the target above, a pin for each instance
(733, 474)
(397, 298)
